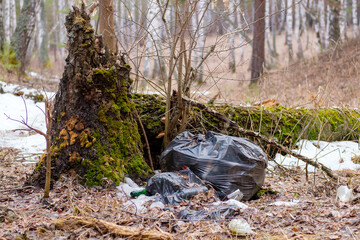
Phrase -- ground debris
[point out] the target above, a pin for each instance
(104, 227)
(316, 214)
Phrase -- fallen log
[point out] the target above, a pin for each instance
(276, 128)
(104, 227)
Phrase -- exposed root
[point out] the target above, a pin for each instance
(73, 222)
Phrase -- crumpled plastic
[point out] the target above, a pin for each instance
(227, 163)
(174, 187)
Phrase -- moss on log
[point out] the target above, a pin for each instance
(286, 125)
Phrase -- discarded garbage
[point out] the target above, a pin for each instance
(240, 227)
(227, 163)
(139, 204)
(173, 187)
(137, 193)
(344, 194)
(292, 203)
(237, 195)
(214, 213)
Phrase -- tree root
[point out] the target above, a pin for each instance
(71, 222)
(261, 137)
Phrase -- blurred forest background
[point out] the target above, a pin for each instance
(217, 39)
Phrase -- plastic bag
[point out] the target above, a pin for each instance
(227, 163)
(173, 187)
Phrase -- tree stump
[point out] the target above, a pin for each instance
(94, 131)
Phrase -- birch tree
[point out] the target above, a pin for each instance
(2, 36)
(282, 15)
(6, 9)
(289, 23)
(62, 9)
(232, 17)
(342, 20)
(12, 16)
(298, 21)
(43, 36)
(24, 32)
(267, 29)
(354, 17)
(321, 9)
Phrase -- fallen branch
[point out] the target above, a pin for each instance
(72, 222)
(257, 135)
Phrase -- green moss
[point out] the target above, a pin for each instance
(79, 20)
(117, 154)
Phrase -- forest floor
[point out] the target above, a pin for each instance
(299, 209)
(302, 207)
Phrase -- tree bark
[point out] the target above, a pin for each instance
(94, 131)
(334, 31)
(106, 24)
(258, 50)
(23, 33)
(2, 36)
(289, 27)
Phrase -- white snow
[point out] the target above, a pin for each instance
(30, 145)
(334, 155)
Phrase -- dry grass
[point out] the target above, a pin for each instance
(329, 79)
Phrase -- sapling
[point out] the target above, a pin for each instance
(48, 121)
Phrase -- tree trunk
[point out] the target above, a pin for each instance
(6, 11)
(232, 15)
(62, 8)
(94, 132)
(342, 20)
(2, 36)
(287, 125)
(44, 42)
(23, 33)
(334, 34)
(258, 55)
(298, 20)
(106, 24)
(354, 17)
(289, 26)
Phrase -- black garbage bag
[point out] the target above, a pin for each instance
(227, 163)
(174, 187)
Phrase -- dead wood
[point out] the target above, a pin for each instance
(261, 137)
(73, 222)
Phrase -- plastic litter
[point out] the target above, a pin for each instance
(125, 190)
(214, 213)
(237, 195)
(139, 204)
(227, 163)
(157, 205)
(130, 182)
(173, 187)
(344, 194)
(292, 203)
(240, 227)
